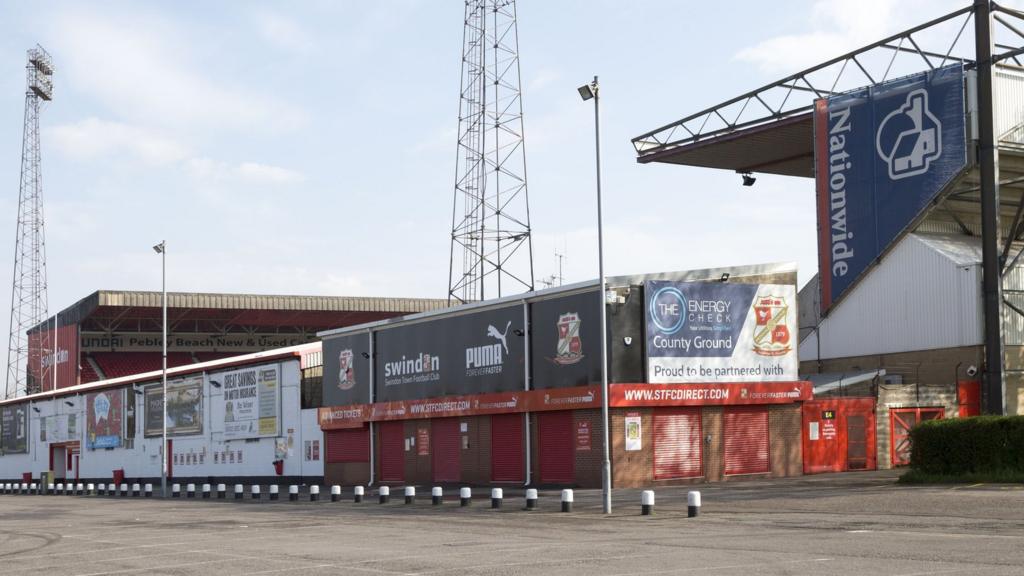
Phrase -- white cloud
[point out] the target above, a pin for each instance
(212, 171)
(282, 32)
(141, 67)
(93, 138)
(267, 173)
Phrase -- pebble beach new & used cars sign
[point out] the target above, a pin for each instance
(720, 332)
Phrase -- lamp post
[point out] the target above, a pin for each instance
(587, 92)
(161, 249)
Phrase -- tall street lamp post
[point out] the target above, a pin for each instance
(588, 92)
(161, 249)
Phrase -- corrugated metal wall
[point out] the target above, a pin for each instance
(1009, 100)
(917, 298)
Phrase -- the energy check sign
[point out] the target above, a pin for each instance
(668, 310)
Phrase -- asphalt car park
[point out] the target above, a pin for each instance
(830, 524)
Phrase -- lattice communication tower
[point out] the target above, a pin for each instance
(491, 248)
(28, 290)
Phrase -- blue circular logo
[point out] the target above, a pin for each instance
(668, 310)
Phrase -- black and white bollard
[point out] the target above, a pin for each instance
(692, 503)
(357, 494)
(90, 489)
(102, 489)
(175, 490)
(254, 492)
(410, 494)
(69, 489)
(58, 490)
(124, 489)
(206, 491)
(148, 489)
(79, 489)
(567, 500)
(190, 490)
(531, 499)
(465, 497)
(647, 502)
(33, 488)
(314, 493)
(274, 492)
(335, 493)
(436, 495)
(497, 494)
(136, 490)
(384, 493)
(222, 491)
(293, 493)
(239, 491)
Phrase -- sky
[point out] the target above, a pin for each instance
(309, 147)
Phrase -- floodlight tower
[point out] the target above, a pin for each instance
(491, 248)
(28, 290)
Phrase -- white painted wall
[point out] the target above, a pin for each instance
(257, 455)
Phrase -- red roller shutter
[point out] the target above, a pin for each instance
(746, 439)
(349, 445)
(557, 455)
(392, 451)
(445, 449)
(677, 443)
(507, 447)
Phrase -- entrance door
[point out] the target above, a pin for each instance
(856, 443)
(557, 453)
(59, 462)
(746, 440)
(507, 447)
(677, 443)
(392, 451)
(901, 421)
(445, 453)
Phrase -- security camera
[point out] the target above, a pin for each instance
(627, 340)
(972, 370)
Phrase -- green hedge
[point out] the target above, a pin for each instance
(982, 445)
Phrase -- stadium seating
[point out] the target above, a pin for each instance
(87, 373)
(117, 364)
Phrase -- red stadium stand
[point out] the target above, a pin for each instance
(117, 364)
(87, 373)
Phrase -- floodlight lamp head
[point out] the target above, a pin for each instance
(215, 383)
(586, 92)
(748, 179)
(159, 248)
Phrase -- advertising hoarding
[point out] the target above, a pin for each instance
(720, 332)
(565, 346)
(472, 353)
(59, 428)
(346, 370)
(250, 402)
(43, 358)
(184, 407)
(104, 416)
(712, 394)
(882, 155)
(240, 343)
(14, 429)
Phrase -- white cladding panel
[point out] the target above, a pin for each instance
(257, 455)
(1008, 85)
(919, 297)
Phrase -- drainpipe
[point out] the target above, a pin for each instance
(526, 384)
(373, 460)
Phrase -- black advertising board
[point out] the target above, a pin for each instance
(346, 370)
(184, 407)
(565, 346)
(14, 429)
(469, 354)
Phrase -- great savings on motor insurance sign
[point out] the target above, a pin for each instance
(720, 332)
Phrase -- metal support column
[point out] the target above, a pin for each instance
(988, 160)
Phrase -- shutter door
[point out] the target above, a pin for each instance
(746, 439)
(445, 449)
(349, 445)
(557, 453)
(507, 447)
(677, 443)
(392, 451)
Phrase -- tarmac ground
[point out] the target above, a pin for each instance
(836, 524)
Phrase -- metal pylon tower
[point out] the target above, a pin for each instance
(491, 249)
(28, 290)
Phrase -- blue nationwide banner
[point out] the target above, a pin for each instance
(882, 155)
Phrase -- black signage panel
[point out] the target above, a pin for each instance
(565, 345)
(14, 429)
(469, 354)
(346, 370)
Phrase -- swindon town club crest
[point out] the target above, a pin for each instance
(771, 334)
(346, 372)
(570, 345)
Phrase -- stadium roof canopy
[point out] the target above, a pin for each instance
(127, 311)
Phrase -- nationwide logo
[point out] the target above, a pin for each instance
(908, 138)
(488, 359)
(420, 368)
(346, 370)
(771, 334)
(570, 345)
